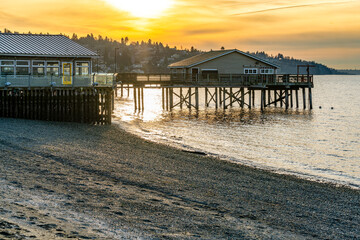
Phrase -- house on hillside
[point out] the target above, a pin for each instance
(43, 57)
(214, 63)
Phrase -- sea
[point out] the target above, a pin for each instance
(322, 144)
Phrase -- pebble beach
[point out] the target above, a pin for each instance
(66, 180)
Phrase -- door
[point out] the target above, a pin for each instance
(67, 70)
(194, 74)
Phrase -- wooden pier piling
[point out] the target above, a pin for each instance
(85, 105)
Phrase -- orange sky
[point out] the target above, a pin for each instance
(324, 31)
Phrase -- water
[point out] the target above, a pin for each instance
(321, 145)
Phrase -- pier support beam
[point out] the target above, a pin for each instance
(297, 98)
(197, 98)
(135, 99)
(242, 96)
(310, 98)
(249, 91)
(304, 98)
(163, 98)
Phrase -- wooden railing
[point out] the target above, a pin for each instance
(99, 79)
(209, 79)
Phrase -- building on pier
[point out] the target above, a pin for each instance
(43, 57)
(48, 77)
(211, 65)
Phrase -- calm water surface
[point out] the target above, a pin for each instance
(322, 144)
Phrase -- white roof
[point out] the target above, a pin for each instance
(41, 45)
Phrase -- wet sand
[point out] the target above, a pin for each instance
(64, 180)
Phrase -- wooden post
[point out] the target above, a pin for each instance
(171, 90)
(142, 98)
(286, 99)
(163, 98)
(220, 97)
(167, 98)
(262, 99)
(275, 98)
(249, 92)
(310, 98)
(242, 97)
(206, 97)
(139, 98)
(291, 98)
(304, 98)
(269, 97)
(181, 98)
(297, 97)
(224, 98)
(231, 96)
(216, 98)
(122, 91)
(253, 98)
(281, 98)
(197, 98)
(189, 98)
(135, 99)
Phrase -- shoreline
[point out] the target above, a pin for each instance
(70, 180)
(246, 163)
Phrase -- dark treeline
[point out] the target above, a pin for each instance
(154, 57)
(141, 57)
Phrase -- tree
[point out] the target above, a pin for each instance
(74, 37)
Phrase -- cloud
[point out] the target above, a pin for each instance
(290, 7)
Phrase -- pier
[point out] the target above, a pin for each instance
(85, 100)
(222, 91)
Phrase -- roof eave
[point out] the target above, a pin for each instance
(39, 55)
(177, 66)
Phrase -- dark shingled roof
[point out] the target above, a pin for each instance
(41, 45)
(207, 56)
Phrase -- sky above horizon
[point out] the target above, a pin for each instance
(326, 31)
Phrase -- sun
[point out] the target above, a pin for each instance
(142, 8)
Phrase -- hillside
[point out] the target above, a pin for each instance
(289, 65)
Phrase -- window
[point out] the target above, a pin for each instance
(267, 71)
(82, 68)
(52, 68)
(209, 74)
(38, 68)
(22, 67)
(250, 70)
(7, 67)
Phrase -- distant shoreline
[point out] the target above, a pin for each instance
(73, 180)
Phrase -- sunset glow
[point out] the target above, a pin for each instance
(142, 8)
(325, 31)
